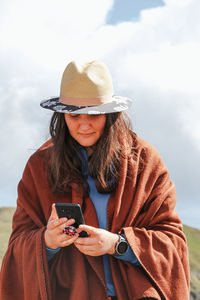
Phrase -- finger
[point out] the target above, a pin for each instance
(51, 225)
(85, 249)
(70, 240)
(60, 224)
(89, 229)
(64, 237)
(88, 241)
(70, 222)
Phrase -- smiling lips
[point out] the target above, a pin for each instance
(86, 134)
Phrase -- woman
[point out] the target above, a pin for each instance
(135, 247)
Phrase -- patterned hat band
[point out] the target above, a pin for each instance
(85, 101)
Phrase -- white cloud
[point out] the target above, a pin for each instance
(38, 38)
(47, 31)
(155, 61)
(190, 119)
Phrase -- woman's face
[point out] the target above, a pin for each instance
(85, 129)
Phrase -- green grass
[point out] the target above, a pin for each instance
(193, 239)
(192, 235)
(6, 214)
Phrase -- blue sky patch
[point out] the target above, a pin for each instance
(129, 10)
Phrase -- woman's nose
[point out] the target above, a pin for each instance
(84, 124)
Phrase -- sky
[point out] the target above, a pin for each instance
(152, 50)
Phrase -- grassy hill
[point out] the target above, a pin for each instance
(192, 234)
(6, 214)
(193, 239)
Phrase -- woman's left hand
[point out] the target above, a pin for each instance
(98, 242)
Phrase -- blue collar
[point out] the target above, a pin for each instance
(84, 160)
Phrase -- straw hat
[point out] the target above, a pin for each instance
(87, 89)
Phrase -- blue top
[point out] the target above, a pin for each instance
(100, 202)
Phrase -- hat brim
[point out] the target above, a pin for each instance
(117, 104)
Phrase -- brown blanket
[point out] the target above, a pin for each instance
(143, 205)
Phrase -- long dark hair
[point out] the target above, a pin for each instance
(65, 156)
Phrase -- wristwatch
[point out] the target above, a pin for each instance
(121, 247)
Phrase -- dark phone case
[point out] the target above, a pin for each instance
(71, 211)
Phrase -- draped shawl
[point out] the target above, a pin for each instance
(143, 206)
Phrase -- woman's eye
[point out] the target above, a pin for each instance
(74, 115)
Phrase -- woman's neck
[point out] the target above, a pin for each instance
(89, 151)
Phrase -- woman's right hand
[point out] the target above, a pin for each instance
(54, 236)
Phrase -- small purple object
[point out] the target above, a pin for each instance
(70, 230)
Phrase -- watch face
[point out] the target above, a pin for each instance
(122, 247)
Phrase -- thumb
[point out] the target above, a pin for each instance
(53, 215)
(90, 229)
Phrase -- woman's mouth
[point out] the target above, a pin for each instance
(86, 134)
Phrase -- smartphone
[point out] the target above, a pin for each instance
(71, 211)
